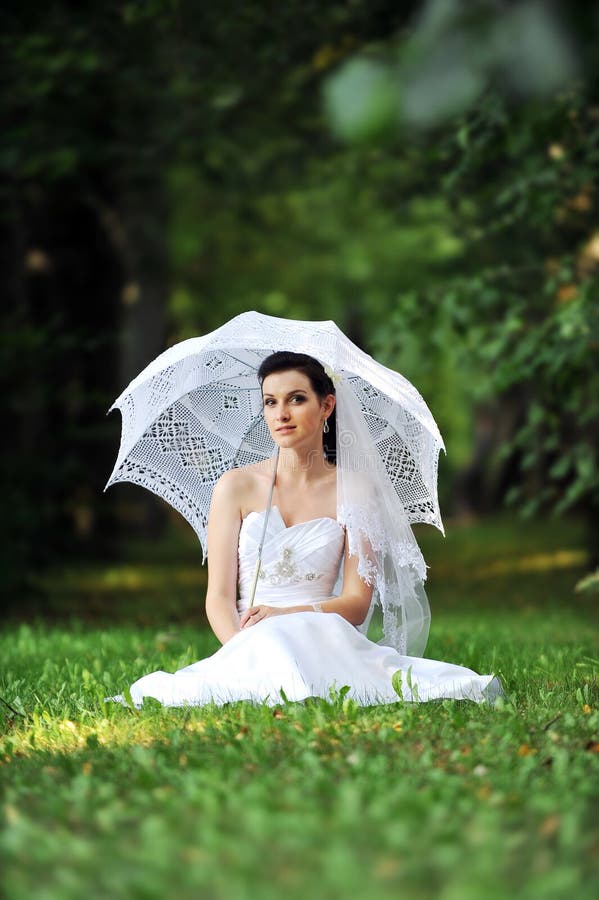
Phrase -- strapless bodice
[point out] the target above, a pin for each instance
(300, 563)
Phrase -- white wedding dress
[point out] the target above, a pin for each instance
(304, 654)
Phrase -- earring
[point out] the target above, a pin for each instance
(325, 427)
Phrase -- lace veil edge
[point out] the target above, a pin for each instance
(379, 532)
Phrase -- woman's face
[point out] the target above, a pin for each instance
(293, 411)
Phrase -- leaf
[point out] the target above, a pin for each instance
(361, 100)
(589, 584)
(396, 683)
(128, 699)
(561, 467)
(526, 750)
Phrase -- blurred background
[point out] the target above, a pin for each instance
(423, 173)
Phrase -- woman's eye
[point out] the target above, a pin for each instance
(298, 398)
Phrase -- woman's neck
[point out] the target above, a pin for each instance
(302, 467)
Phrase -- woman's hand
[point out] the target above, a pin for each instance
(256, 613)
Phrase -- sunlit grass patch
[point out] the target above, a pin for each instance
(446, 799)
(101, 800)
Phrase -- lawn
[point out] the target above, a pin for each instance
(445, 799)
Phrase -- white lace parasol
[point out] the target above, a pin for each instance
(196, 411)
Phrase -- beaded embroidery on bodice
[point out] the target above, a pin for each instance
(300, 563)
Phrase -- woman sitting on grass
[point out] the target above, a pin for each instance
(314, 591)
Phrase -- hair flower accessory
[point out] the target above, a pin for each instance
(336, 377)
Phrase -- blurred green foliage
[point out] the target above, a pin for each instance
(508, 129)
(452, 53)
(166, 166)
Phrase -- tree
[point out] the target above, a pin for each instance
(104, 108)
(513, 153)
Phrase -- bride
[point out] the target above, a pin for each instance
(301, 637)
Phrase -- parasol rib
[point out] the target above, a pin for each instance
(261, 544)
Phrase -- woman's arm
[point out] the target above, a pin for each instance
(224, 522)
(353, 603)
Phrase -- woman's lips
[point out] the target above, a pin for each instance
(285, 428)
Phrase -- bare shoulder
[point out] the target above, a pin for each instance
(240, 485)
(231, 483)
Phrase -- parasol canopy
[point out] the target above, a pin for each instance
(196, 411)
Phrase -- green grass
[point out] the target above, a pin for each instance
(446, 799)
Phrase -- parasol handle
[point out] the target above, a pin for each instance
(254, 581)
(261, 544)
